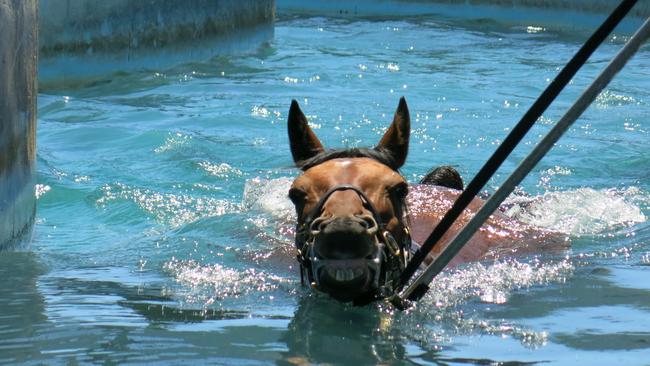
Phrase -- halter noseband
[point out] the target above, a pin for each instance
(387, 263)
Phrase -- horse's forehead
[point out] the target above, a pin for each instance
(363, 172)
(353, 165)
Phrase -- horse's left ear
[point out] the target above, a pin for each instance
(396, 139)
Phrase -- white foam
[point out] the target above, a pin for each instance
(609, 99)
(269, 196)
(584, 211)
(494, 283)
(222, 170)
(207, 283)
(441, 314)
(41, 189)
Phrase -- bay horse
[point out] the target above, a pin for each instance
(358, 219)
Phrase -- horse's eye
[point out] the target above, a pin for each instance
(400, 191)
(297, 196)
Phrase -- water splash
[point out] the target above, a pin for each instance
(207, 283)
(261, 112)
(446, 310)
(584, 211)
(494, 283)
(41, 189)
(269, 196)
(550, 174)
(222, 170)
(608, 99)
(531, 29)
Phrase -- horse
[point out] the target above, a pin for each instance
(359, 220)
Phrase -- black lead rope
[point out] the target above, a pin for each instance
(511, 141)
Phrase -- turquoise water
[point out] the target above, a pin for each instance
(161, 205)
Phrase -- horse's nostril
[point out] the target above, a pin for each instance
(369, 223)
(319, 224)
(344, 238)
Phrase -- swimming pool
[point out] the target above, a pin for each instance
(160, 191)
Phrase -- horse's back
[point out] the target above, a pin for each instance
(500, 235)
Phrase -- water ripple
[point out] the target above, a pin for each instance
(168, 208)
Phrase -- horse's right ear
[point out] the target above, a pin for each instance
(303, 141)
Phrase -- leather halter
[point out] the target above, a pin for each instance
(388, 263)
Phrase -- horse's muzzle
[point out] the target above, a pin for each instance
(344, 238)
(347, 257)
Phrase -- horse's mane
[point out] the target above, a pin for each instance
(379, 154)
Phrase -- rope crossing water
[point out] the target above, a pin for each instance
(419, 287)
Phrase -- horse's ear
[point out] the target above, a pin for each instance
(396, 139)
(303, 141)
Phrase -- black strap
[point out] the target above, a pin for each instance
(344, 187)
(515, 136)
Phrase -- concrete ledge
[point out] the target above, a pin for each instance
(122, 35)
(18, 61)
(88, 26)
(563, 13)
(67, 70)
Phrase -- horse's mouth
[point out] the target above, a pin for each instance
(346, 280)
(345, 275)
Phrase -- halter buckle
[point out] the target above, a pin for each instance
(391, 243)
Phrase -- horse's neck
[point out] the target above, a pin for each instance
(428, 204)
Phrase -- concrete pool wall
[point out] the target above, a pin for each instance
(566, 13)
(18, 64)
(85, 38)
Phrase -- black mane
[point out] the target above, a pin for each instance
(379, 154)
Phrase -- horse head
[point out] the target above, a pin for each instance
(352, 236)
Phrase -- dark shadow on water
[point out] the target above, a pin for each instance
(155, 308)
(166, 313)
(21, 306)
(324, 331)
